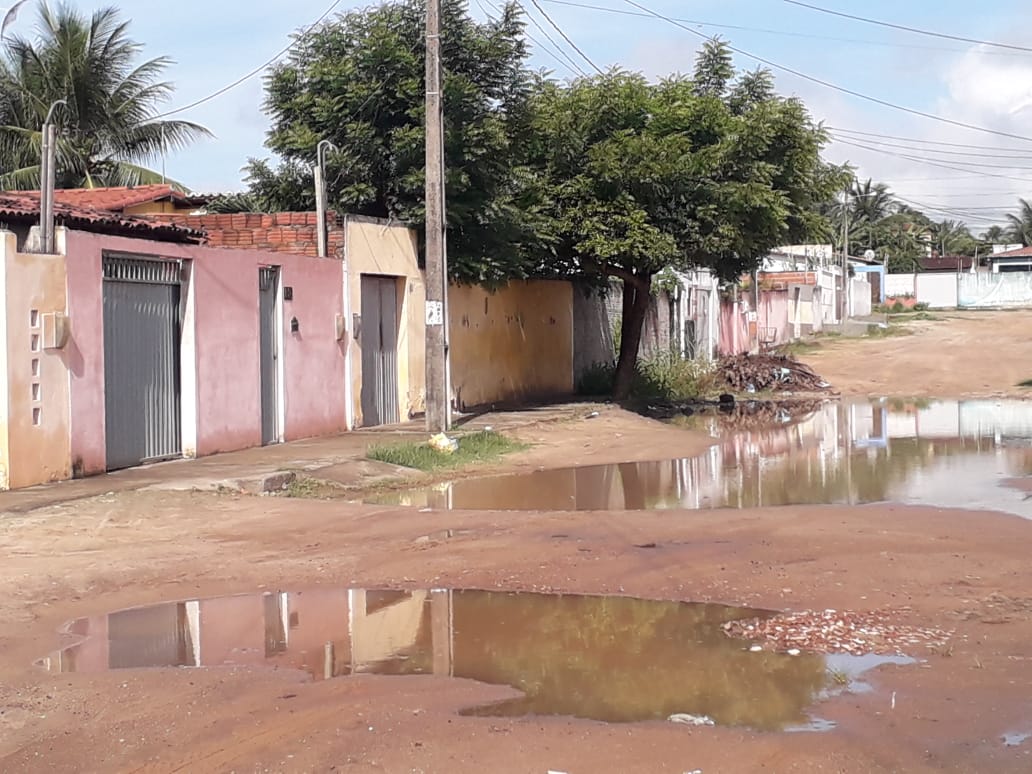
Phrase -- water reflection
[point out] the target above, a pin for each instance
(613, 659)
(945, 453)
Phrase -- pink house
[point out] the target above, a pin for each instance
(136, 343)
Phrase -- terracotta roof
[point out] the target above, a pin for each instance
(1021, 252)
(117, 199)
(23, 206)
(946, 263)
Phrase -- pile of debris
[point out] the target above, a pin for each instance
(837, 631)
(759, 373)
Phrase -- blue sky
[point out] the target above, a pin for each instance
(214, 43)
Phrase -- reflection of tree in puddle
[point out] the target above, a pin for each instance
(620, 659)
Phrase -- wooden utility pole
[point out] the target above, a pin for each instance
(437, 403)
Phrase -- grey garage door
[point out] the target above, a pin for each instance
(141, 360)
(379, 350)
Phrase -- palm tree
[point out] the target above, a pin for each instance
(109, 128)
(994, 235)
(947, 235)
(1021, 224)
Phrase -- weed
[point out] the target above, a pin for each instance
(303, 487)
(1026, 383)
(474, 448)
(658, 377)
(839, 676)
(798, 347)
(883, 332)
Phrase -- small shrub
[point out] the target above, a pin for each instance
(597, 380)
(475, 447)
(1026, 383)
(665, 376)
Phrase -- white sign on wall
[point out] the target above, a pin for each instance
(435, 313)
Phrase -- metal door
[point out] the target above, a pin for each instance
(268, 284)
(379, 350)
(141, 360)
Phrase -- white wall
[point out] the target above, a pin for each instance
(859, 297)
(899, 285)
(1012, 288)
(937, 290)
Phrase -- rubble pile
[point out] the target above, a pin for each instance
(836, 631)
(758, 373)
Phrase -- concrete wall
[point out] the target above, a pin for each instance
(1011, 289)
(939, 291)
(221, 385)
(376, 247)
(515, 344)
(34, 388)
(859, 297)
(899, 285)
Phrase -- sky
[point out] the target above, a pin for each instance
(215, 43)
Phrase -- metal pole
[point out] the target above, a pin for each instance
(44, 190)
(436, 269)
(48, 245)
(320, 210)
(845, 256)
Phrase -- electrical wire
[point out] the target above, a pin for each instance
(919, 149)
(784, 33)
(924, 142)
(256, 71)
(836, 87)
(566, 37)
(905, 28)
(920, 160)
(564, 59)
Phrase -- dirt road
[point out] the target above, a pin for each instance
(966, 572)
(957, 354)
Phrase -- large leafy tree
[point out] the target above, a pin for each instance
(707, 171)
(107, 129)
(1020, 223)
(359, 83)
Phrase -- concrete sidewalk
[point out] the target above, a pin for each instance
(268, 468)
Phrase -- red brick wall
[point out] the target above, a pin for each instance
(281, 232)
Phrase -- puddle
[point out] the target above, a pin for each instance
(613, 659)
(1016, 739)
(945, 453)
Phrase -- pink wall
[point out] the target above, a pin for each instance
(773, 313)
(734, 329)
(224, 284)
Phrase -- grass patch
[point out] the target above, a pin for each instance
(659, 377)
(1026, 383)
(303, 487)
(473, 448)
(798, 347)
(879, 332)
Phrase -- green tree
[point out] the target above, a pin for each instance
(107, 130)
(701, 172)
(1020, 223)
(994, 235)
(359, 82)
(952, 237)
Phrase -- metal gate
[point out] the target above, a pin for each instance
(141, 360)
(268, 284)
(379, 350)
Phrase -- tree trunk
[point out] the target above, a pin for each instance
(636, 296)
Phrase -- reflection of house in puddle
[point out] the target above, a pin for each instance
(324, 633)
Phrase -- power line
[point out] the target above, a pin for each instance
(920, 160)
(566, 37)
(979, 164)
(566, 61)
(784, 33)
(905, 28)
(254, 72)
(924, 142)
(828, 84)
(919, 149)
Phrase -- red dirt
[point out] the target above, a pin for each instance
(961, 571)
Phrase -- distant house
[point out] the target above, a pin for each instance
(1012, 260)
(945, 263)
(130, 200)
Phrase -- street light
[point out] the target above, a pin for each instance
(47, 175)
(320, 192)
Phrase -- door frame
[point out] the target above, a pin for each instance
(278, 341)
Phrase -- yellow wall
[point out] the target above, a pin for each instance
(34, 417)
(153, 208)
(380, 248)
(512, 345)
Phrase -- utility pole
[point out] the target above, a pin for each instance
(437, 401)
(48, 175)
(843, 303)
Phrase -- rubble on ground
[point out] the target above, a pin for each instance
(837, 631)
(760, 373)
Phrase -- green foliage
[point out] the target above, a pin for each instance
(107, 130)
(358, 81)
(666, 377)
(1020, 224)
(473, 448)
